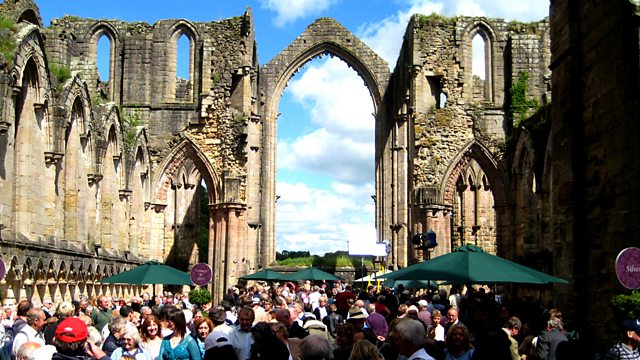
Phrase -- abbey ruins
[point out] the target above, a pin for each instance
(535, 163)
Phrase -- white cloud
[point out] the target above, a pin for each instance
(290, 10)
(340, 107)
(321, 220)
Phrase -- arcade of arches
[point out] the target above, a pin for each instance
(98, 176)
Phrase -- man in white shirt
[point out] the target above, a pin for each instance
(32, 332)
(241, 338)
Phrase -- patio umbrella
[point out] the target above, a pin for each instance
(151, 272)
(266, 274)
(411, 284)
(472, 265)
(311, 274)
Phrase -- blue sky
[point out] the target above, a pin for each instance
(326, 130)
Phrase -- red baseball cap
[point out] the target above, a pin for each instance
(71, 330)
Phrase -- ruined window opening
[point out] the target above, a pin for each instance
(183, 57)
(479, 56)
(103, 58)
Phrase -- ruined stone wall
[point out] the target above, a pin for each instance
(116, 184)
(459, 147)
(592, 158)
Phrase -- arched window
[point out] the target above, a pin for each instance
(103, 58)
(183, 58)
(180, 60)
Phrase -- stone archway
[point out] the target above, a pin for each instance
(324, 36)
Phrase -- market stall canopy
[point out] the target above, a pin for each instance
(266, 274)
(311, 274)
(151, 272)
(470, 264)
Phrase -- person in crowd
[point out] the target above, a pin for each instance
(71, 342)
(101, 315)
(65, 309)
(458, 343)
(218, 347)
(178, 346)
(342, 300)
(437, 330)
(409, 338)
(549, 339)
(295, 330)
(266, 345)
(27, 350)
(322, 310)
(94, 334)
(150, 333)
(21, 316)
(203, 327)
(364, 350)
(627, 347)
(512, 329)
(218, 317)
(130, 346)
(293, 344)
(452, 318)
(240, 337)
(377, 323)
(423, 313)
(344, 341)
(113, 340)
(47, 307)
(32, 331)
(358, 319)
(332, 320)
(388, 348)
(315, 347)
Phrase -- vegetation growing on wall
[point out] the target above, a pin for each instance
(521, 104)
(60, 73)
(7, 42)
(424, 20)
(132, 120)
(304, 259)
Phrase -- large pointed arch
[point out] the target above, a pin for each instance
(170, 165)
(324, 36)
(479, 152)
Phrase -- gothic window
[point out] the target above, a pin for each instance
(180, 57)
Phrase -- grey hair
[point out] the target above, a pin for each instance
(412, 331)
(116, 324)
(315, 347)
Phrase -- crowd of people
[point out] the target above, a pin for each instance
(298, 321)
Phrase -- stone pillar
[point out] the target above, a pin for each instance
(230, 258)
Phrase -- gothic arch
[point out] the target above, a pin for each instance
(96, 31)
(171, 164)
(479, 152)
(180, 28)
(493, 59)
(324, 36)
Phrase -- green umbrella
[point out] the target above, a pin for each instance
(411, 284)
(311, 274)
(472, 265)
(151, 272)
(266, 274)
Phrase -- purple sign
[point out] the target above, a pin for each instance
(628, 268)
(201, 274)
(3, 270)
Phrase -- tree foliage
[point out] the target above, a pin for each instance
(199, 296)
